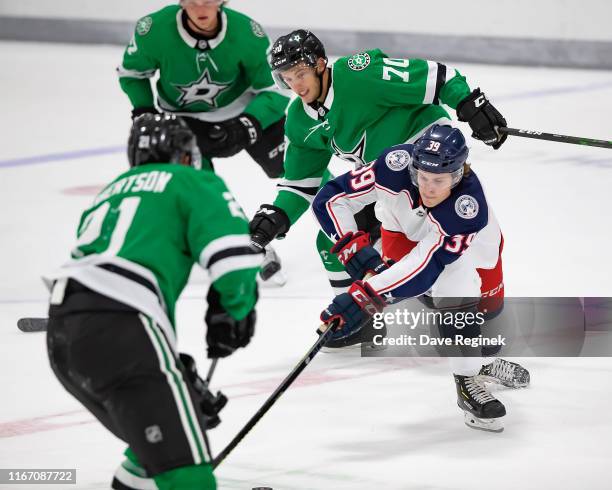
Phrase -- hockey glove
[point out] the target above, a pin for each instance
(232, 136)
(269, 222)
(139, 111)
(352, 309)
(483, 118)
(210, 405)
(225, 334)
(357, 255)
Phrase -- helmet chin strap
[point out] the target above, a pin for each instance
(320, 77)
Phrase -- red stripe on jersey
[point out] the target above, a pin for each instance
(419, 268)
(378, 186)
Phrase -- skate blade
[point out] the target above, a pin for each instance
(508, 384)
(488, 425)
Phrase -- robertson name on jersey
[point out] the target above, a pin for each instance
(138, 241)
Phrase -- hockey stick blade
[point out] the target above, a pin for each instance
(32, 324)
(559, 138)
(291, 377)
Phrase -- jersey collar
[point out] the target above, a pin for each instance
(192, 41)
(327, 103)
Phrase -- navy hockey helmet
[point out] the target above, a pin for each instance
(298, 46)
(162, 138)
(440, 150)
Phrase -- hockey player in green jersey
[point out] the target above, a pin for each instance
(111, 334)
(213, 71)
(354, 109)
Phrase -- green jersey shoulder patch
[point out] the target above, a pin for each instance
(359, 61)
(143, 26)
(257, 29)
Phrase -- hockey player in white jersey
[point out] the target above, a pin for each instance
(443, 240)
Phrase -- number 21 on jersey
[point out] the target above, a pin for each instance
(108, 223)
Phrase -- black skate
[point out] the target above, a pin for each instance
(363, 336)
(481, 409)
(509, 374)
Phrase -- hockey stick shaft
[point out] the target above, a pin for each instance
(324, 337)
(560, 138)
(211, 370)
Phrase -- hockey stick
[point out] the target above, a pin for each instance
(32, 324)
(560, 138)
(209, 376)
(275, 396)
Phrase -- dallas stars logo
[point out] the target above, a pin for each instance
(202, 90)
(359, 61)
(356, 155)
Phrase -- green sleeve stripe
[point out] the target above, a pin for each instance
(309, 182)
(223, 243)
(234, 263)
(304, 195)
(433, 83)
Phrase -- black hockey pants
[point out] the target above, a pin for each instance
(120, 366)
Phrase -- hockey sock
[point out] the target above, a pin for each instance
(337, 275)
(187, 478)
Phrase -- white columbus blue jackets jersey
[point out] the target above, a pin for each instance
(461, 230)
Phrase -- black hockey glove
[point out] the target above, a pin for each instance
(483, 118)
(358, 256)
(210, 405)
(229, 137)
(225, 334)
(139, 111)
(351, 310)
(269, 222)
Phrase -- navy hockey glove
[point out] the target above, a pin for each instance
(357, 255)
(210, 405)
(225, 334)
(139, 111)
(483, 118)
(227, 138)
(351, 310)
(269, 222)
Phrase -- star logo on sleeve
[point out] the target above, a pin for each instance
(355, 156)
(202, 90)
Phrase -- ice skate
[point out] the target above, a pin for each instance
(509, 374)
(481, 409)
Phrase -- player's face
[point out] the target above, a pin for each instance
(202, 13)
(303, 80)
(434, 188)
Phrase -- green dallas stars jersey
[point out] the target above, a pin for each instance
(373, 102)
(153, 223)
(229, 76)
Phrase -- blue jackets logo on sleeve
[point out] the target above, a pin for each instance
(466, 206)
(397, 160)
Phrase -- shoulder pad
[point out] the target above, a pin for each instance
(392, 168)
(465, 210)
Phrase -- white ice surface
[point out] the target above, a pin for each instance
(348, 422)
